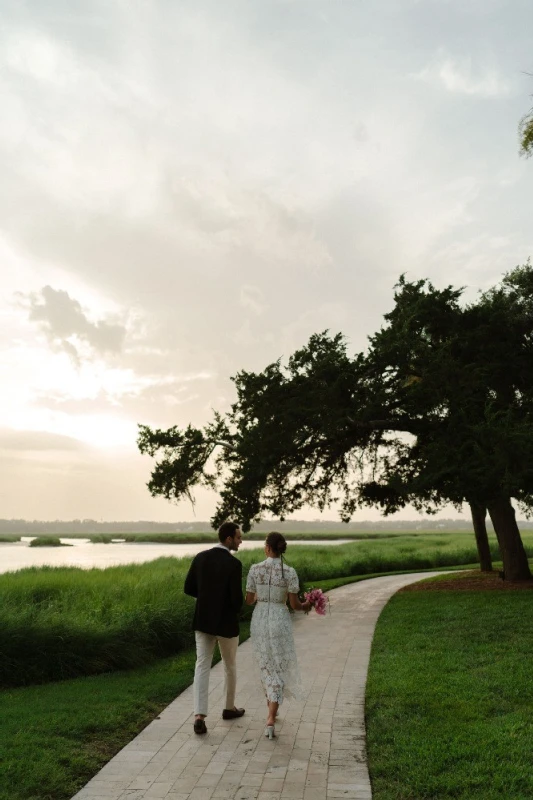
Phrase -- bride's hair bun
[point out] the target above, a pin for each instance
(277, 543)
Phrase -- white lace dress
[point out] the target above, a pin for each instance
(271, 628)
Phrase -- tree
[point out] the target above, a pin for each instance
(526, 134)
(437, 410)
(468, 379)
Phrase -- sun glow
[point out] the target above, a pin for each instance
(50, 393)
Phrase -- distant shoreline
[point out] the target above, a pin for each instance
(211, 537)
(88, 527)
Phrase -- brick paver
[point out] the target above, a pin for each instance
(319, 751)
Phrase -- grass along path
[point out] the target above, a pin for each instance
(59, 622)
(449, 702)
(55, 737)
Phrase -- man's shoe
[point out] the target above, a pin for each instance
(200, 726)
(232, 713)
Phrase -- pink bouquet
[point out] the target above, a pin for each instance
(318, 600)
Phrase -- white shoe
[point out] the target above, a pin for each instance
(269, 731)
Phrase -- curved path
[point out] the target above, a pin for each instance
(319, 751)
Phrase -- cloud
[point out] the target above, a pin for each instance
(127, 395)
(11, 439)
(36, 56)
(459, 76)
(252, 299)
(66, 325)
(199, 187)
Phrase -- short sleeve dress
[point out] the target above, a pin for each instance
(271, 628)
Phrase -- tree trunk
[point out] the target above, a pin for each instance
(515, 563)
(482, 540)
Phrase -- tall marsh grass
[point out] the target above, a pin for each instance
(417, 551)
(58, 622)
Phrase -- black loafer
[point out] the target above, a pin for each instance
(232, 713)
(200, 726)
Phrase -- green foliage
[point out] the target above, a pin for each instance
(462, 374)
(471, 660)
(438, 410)
(289, 433)
(410, 552)
(47, 541)
(58, 623)
(55, 738)
(449, 697)
(184, 457)
(526, 134)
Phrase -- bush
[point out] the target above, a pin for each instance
(47, 541)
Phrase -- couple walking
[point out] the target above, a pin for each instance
(215, 580)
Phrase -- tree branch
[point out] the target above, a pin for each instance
(407, 425)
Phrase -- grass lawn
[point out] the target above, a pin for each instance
(449, 702)
(54, 738)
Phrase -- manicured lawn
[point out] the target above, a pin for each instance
(450, 697)
(54, 738)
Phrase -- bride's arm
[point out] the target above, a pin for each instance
(296, 605)
(294, 600)
(250, 598)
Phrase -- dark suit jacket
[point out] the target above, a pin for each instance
(215, 579)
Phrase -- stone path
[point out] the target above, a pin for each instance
(319, 751)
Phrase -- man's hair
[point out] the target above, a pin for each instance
(227, 529)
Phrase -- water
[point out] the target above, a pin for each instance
(84, 554)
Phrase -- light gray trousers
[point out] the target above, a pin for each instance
(205, 647)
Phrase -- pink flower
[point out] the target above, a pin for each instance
(318, 600)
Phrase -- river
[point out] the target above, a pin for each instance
(82, 553)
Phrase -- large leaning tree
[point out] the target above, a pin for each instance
(439, 409)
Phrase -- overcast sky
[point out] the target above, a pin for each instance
(192, 188)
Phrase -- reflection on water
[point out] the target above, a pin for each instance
(84, 554)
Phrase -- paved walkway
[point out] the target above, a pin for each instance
(319, 751)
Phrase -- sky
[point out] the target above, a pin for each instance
(193, 188)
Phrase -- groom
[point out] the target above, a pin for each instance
(215, 580)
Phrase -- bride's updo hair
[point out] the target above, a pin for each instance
(277, 543)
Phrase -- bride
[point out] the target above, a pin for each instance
(268, 584)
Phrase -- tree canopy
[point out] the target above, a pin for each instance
(438, 409)
(526, 134)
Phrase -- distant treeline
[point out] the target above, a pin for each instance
(28, 527)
